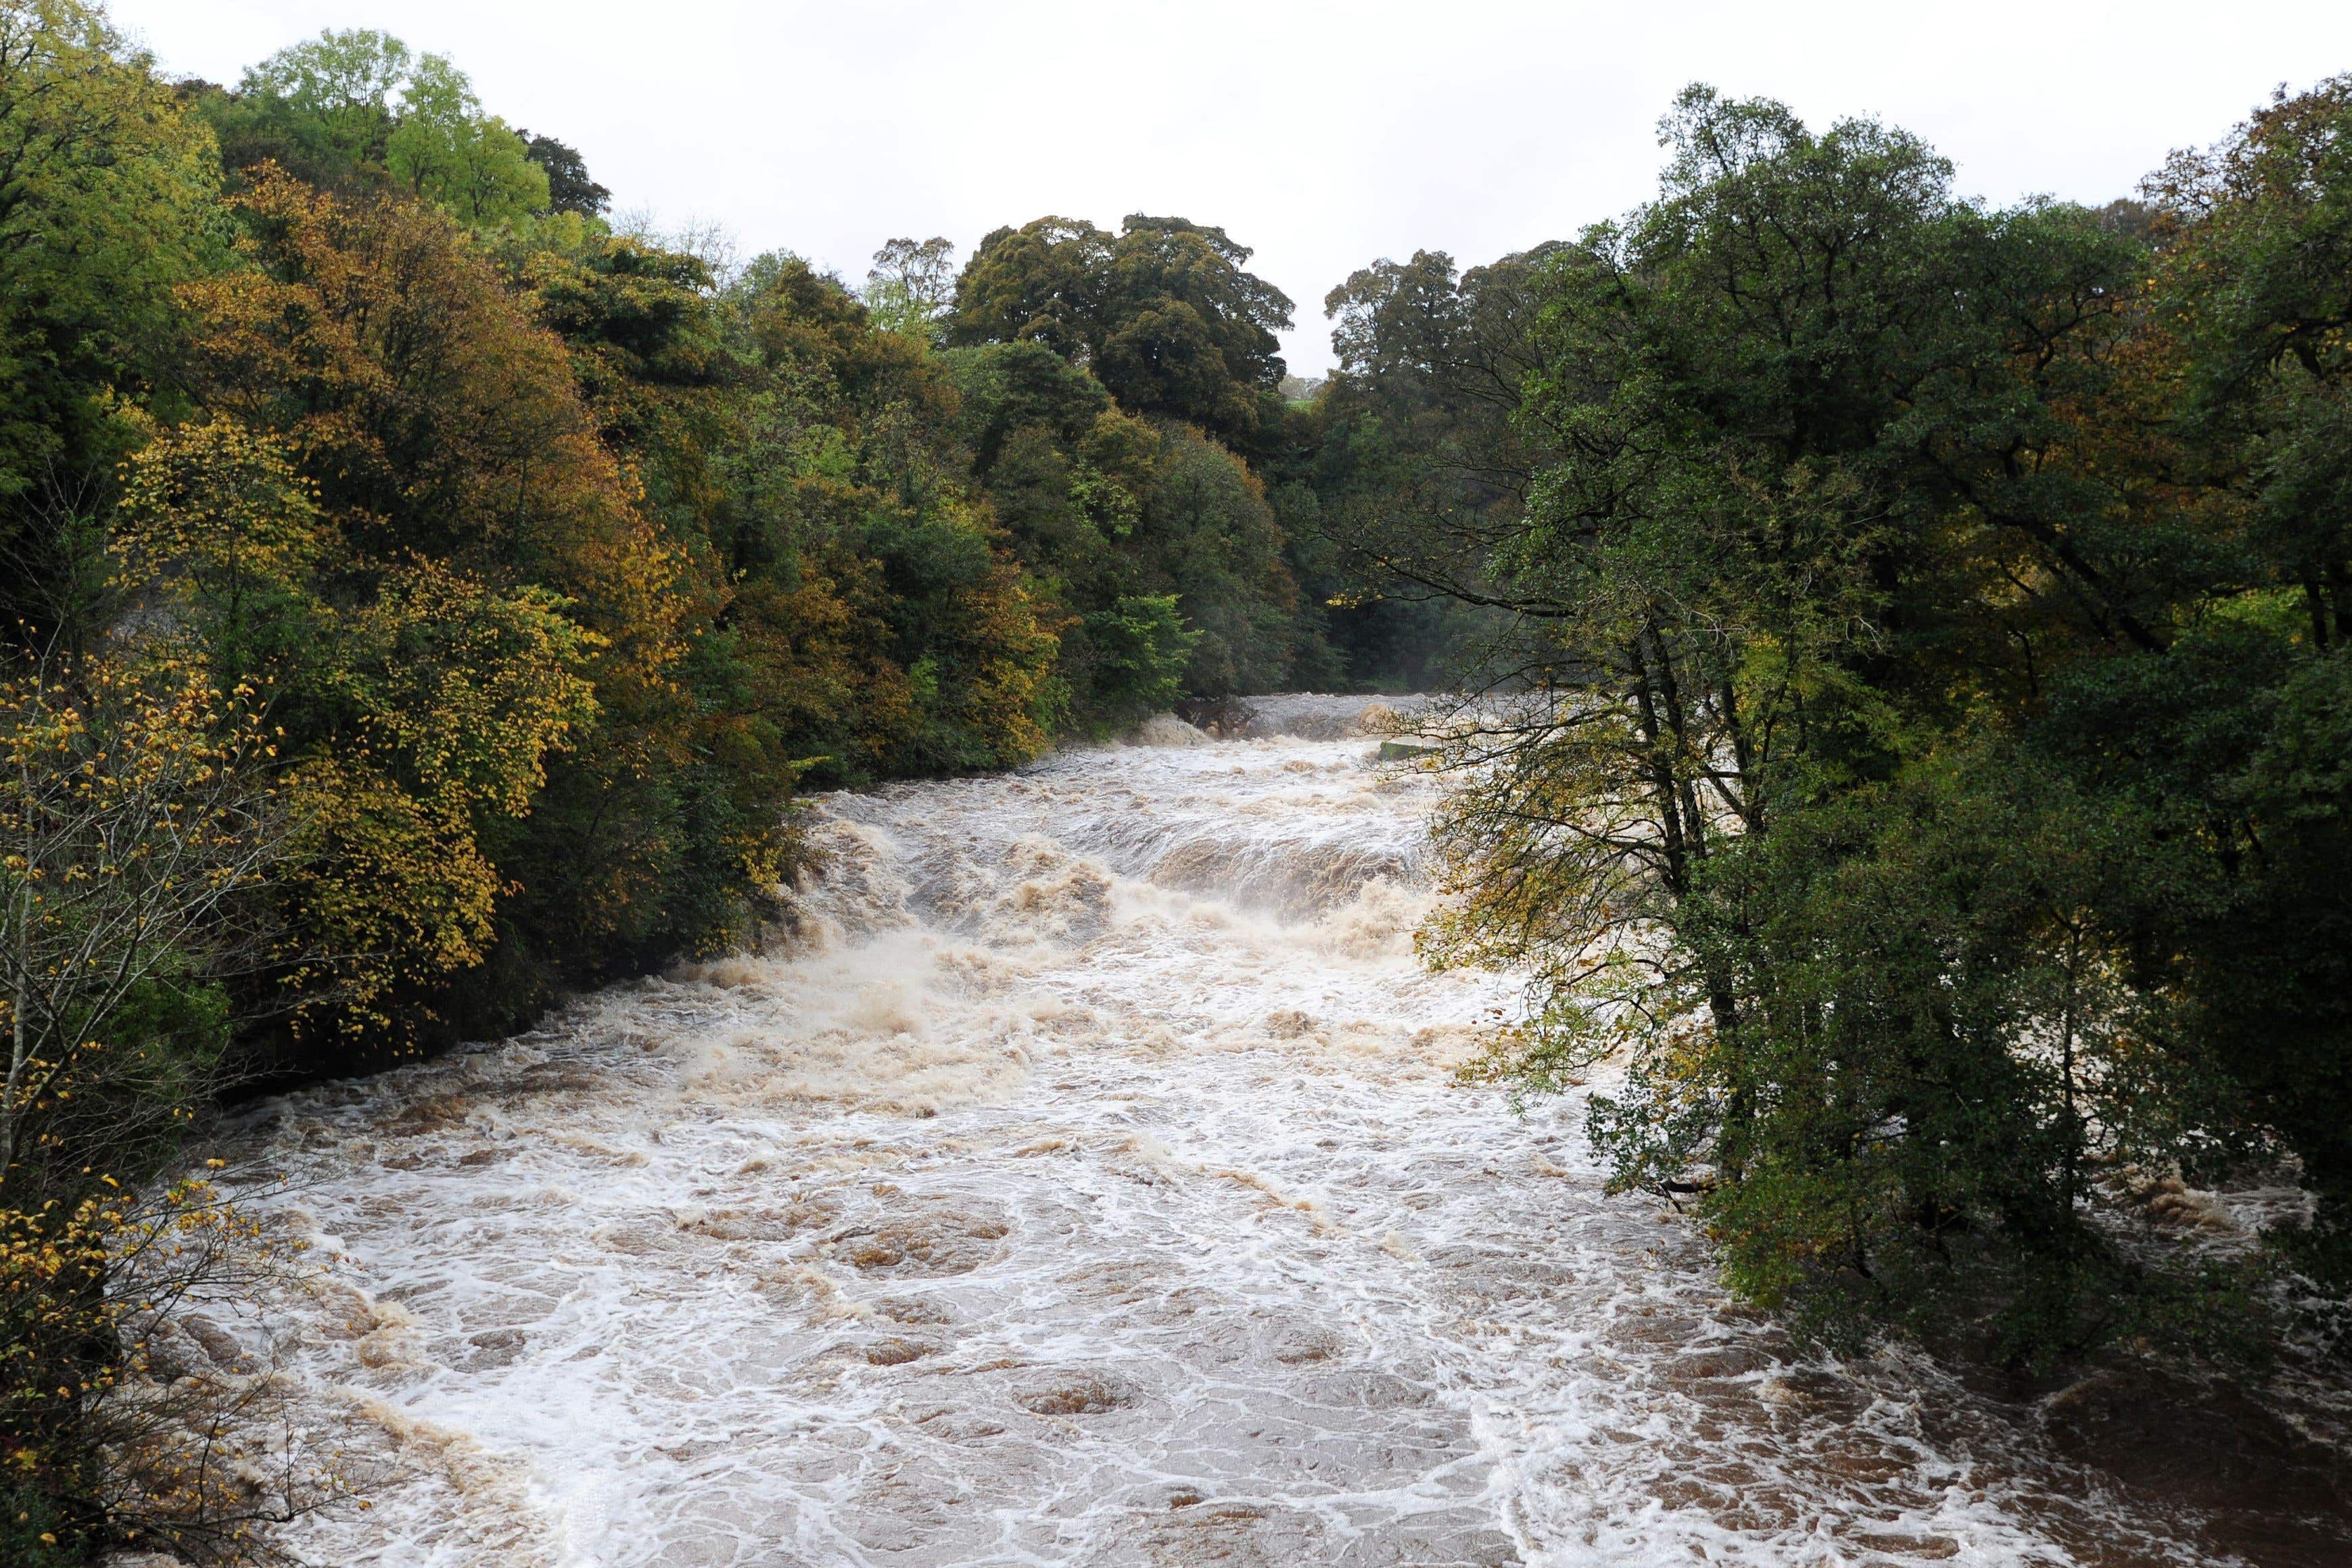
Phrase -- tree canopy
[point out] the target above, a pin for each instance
(1163, 314)
(1923, 617)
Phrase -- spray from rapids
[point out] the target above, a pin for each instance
(1083, 1183)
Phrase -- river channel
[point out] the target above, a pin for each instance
(1086, 1181)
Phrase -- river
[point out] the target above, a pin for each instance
(1086, 1182)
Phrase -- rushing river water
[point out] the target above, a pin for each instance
(1086, 1184)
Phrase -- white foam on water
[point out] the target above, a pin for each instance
(1086, 1183)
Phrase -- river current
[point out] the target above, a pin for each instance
(1083, 1181)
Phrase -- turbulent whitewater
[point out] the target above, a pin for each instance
(1079, 1178)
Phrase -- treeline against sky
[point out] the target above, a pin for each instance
(1923, 748)
(564, 553)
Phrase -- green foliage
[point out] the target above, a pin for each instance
(1399, 475)
(335, 93)
(450, 153)
(355, 112)
(1163, 314)
(870, 570)
(322, 110)
(109, 203)
(347, 79)
(1108, 511)
(1220, 547)
(1140, 648)
(569, 187)
(911, 288)
(1931, 771)
(35, 1532)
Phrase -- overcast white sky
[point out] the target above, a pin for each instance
(1323, 134)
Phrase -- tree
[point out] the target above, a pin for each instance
(415, 714)
(895, 632)
(911, 288)
(569, 187)
(1212, 539)
(1113, 515)
(322, 110)
(2223, 737)
(1410, 467)
(344, 82)
(1164, 315)
(140, 818)
(447, 151)
(355, 112)
(1165, 318)
(1041, 283)
(484, 542)
(1808, 531)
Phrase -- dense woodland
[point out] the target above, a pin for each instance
(1926, 750)
(1907, 715)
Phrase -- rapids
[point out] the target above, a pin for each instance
(1082, 1180)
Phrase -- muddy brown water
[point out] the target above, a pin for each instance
(1087, 1183)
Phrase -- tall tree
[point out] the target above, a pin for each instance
(1410, 465)
(343, 81)
(322, 110)
(1164, 314)
(569, 187)
(448, 152)
(911, 286)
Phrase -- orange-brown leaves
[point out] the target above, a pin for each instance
(433, 415)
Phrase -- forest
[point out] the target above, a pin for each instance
(1904, 649)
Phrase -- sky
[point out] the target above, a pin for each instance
(1323, 135)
